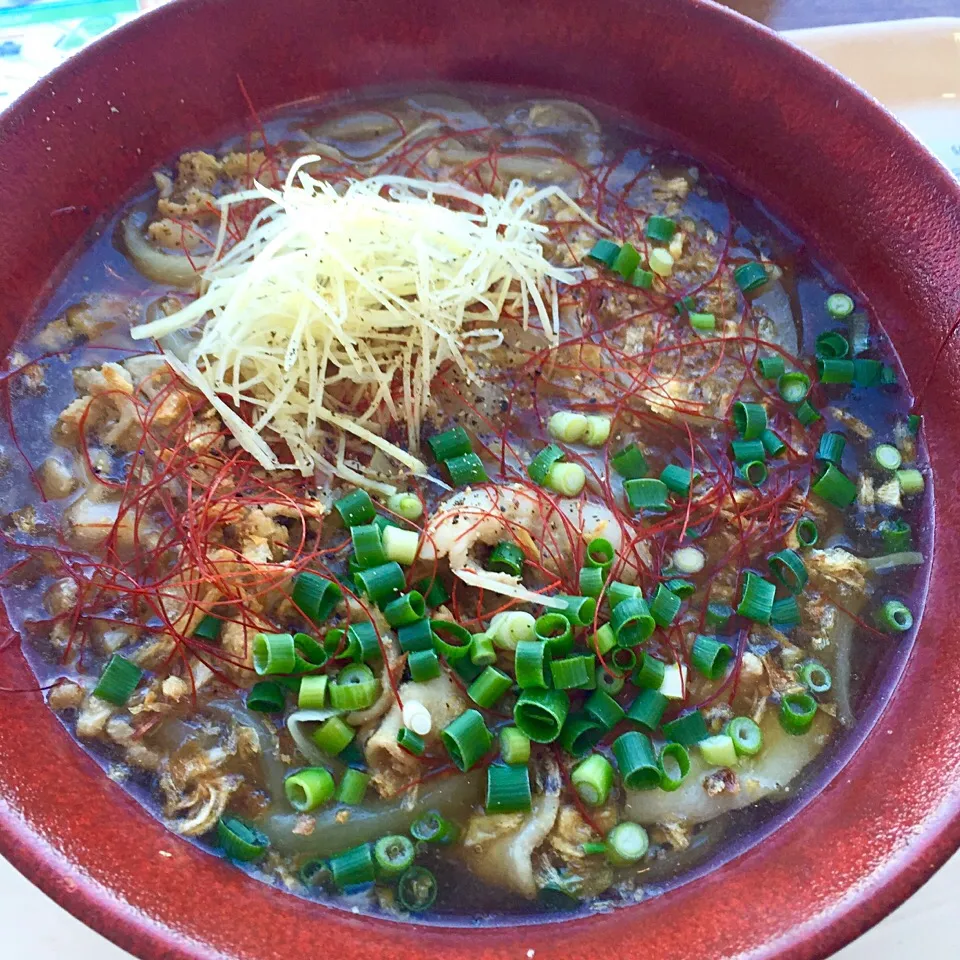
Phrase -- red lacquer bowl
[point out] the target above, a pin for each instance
(838, 168)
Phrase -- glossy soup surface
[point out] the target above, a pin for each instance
(152, 518)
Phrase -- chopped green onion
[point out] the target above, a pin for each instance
(508, 788)
(567, 479)
(592, 778)
(647, 709)
(598, 430)
(316, 597)
(787, 567)
(407, 608)
(530, 660)
(815, 677)
(755, 472)
(335, 646)
(241, 841)
(832, 346)
(710, 657)
(268, 697)
(416, 636)
(508, 628)
(627, 261)
(434, 593)
(749, 419)
(411, 742)
(434, 828)
(630, 462)
(539, 468)
(836, 371)
(514, 745)
(604, 709)
(353, 785)
(617, 592)
(717, 614)
(887, 457)
(797, 711)
(793, 386)
(605, 252)
(807, 533)
(913, 424)
(604, 639)
(911, 482)
(407, 505)
(832, 485)
(806, 413)
(747, 451)
(632, 622)
(567, 427)
(678, 479)
(660, 229)
(674, 686)
(608, 680)
(573, 673)
(646, 493)
(489, 687)
(688, 560)
(684, 589)
(506, 558)
(785, 614)
(579, 611)
(674, 764)
(624, 659)
(888, 375)
(309, 653)
(772, 367)
(636, 761)
(308, 789)
(273, 653)
(449, 444)
(333, 736)
(383, 583)
(466, 470)
(315, 873)
(356, 688)
(400, 545)
(750, 276)
(756, 601)
(642, 278)
(417, 889)
(367, 545)
(703, 321)
(746, 735)
(423, 665)
(688, 729)
(540, 714)
(382, 523)
(894, 617)
(208, 628)
(665, 606)
(600, 553)
(649, 674)
(772, 444)
(719, 751)
(118, 680)
(839, 305)
(556, 632)
(482, 651)
(626, 843)
(897, 535)
(867, 373)
(467, 739)
(365, 642)
(592, 581)
(831, 447)
(393, 854)
(356, 507)
(354, 868)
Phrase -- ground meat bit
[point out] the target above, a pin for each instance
(721, 781)
(247, 166)
(174, 236)
(66, 696)
(56, 479)
(194, 205)
(198, 169)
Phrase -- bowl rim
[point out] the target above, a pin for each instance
(883, 888)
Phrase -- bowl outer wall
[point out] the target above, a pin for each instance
(849, 179)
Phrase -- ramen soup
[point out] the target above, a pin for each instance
(458, 505)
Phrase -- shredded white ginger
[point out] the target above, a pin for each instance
(375, 285)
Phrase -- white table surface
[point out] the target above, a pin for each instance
(915, 69)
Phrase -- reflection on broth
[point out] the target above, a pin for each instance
(459, 505)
